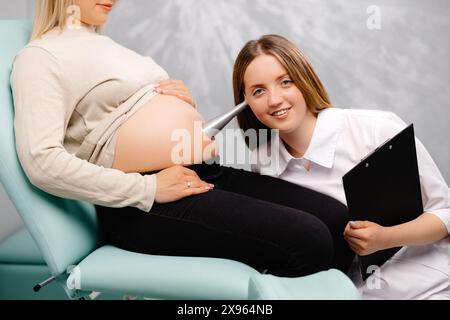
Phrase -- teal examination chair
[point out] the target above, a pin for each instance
(57, 250)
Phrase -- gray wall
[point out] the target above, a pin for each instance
(402, 67)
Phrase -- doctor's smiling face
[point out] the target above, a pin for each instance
(272, 95)
(94, 12)
(279, 84)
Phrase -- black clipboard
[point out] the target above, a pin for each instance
(385, 188)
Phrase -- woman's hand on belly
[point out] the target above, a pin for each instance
(175, 88)
(164, 132)
(178, 182)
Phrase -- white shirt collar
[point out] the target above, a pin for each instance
(322, 147)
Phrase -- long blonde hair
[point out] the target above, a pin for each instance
(50, 14)
(296, 64)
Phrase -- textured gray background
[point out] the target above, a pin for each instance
(403, 67)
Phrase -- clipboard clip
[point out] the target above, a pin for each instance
(376, 149)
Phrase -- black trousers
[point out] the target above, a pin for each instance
(259, 220)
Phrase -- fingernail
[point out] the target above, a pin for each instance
(352, 222)
(211, 186)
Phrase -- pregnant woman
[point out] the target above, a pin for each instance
(94, 122)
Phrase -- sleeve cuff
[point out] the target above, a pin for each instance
(150, 192)
(444, 215)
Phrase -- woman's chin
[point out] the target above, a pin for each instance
(283, 128)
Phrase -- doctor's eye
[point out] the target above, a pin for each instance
(257, 92)
(286, 82)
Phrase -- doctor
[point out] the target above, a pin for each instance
(318, 144)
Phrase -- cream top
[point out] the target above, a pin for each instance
(72, 90)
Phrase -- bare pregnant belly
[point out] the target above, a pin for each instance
(164, 132)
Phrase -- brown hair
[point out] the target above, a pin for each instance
(297, 66)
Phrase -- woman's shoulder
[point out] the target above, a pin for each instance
(35, 60)
(63, 41)
(54, 45)
(377, 124)
(40, 49)
(379, 118)
(34, 55)
(370, 114)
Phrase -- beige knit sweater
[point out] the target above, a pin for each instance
(72, 91)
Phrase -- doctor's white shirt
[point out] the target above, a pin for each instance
(341, 138)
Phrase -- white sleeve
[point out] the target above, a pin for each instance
(40, 113)
(435, 191)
